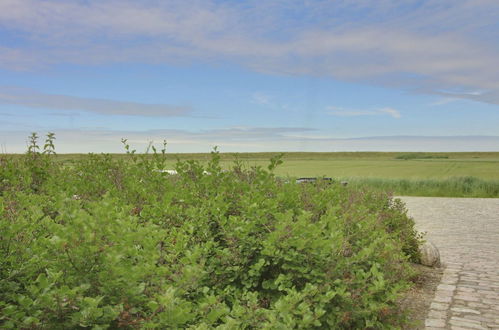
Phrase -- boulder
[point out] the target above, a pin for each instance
(430, 256)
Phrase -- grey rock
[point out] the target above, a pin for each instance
(430, 256)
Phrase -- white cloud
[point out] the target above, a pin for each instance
(342, 112)
(425, 46)
(231, 139)
(490, 96)
(245, 139)
(445, 100)
(261, 98)
(391, 112)
(270, 102)
(34, 99)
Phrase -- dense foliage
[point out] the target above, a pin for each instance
(109, 243)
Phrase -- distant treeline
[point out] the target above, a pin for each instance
(420, 155)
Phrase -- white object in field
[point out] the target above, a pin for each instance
(171, 172)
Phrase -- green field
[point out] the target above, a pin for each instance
(364, 165)
(482, 165)
(462, 174)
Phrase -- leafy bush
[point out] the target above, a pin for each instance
(111, 243)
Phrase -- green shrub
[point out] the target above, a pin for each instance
(109, 243)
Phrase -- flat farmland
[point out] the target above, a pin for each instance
(466, 174)
(390, 168)
(387, 165)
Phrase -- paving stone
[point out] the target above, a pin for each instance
(439, 306)
(446, 287)
(460, 303)
(449, 280)
(466, 297)
(467, 323)
(435, 323)
(491, 316)
(489, 284)
(433, 314)
(445, 293)
(477, 305)
(493, 302)
(469, 278)
(464, 319)
(464, 310)
(480, 318)
(443, 299)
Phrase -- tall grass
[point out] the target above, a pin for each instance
(452, 187)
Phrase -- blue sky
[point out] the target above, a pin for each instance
(251, 75)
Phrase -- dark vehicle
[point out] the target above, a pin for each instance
(314, 180)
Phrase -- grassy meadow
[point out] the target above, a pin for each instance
(452, 174)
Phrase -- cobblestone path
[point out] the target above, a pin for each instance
(466, 231)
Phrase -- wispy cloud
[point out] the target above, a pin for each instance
(424, 46)
(230, 139)
(488, 96)
(269, 101)
(391, 112)
(34, 99)
(248, 139)
(261, 98)
(343, 112)
(443, 101)
(462, 92)
(238, 133)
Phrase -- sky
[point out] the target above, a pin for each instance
(276, 75)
